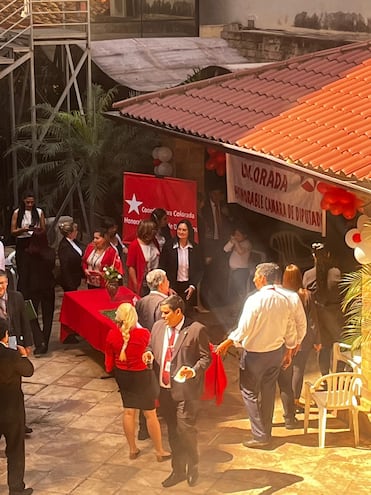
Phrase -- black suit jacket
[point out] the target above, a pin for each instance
(191, 349)
(19, 324)
(70, 266)
(12, 368)
(169, 262)
(208, 228)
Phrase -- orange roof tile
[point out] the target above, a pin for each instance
(314, 110)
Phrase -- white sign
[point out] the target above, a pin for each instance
(275, 192)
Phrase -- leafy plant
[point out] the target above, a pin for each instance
(356, 289)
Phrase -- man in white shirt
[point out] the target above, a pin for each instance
(266, 333)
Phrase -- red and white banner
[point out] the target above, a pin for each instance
(143, 193)
(276, 192)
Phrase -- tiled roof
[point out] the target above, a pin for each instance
(314, 110)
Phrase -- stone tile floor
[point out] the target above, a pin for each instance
(78, 447)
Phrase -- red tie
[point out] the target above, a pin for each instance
(167, 360)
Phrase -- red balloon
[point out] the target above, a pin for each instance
(347, 198)
(220, 158)
(156, 162)
(325, 205)
(349, 213)
(210, 164)
(322, 187)
(359, 203)
(211, 151)
(330, 197)
(336, 209)
(220, 169)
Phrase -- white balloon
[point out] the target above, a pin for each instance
(165, 168)
(155, 170)
(155, 152)
(362, 220)
(361, 256)
(349, 238)
(164, 154)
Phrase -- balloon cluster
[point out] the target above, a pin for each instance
(216, 161)
(360, 240)
(161, 160)
(339, 201)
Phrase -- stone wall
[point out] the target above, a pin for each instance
(273, 46)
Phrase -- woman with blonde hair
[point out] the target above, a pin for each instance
(138, 386)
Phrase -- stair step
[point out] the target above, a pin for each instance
(6, 61)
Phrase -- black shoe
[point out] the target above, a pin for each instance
(143, 434)
(292, 424)
(174, 479)
(25, 491)
(42, 349)
(27, 431)
(192, 475)
(255, 444)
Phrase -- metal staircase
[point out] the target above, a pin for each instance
(27, 24)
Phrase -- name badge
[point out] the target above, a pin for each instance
(167, 366)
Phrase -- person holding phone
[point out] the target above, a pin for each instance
(25, 220)
(13, 365)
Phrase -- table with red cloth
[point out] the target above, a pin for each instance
(81, 313)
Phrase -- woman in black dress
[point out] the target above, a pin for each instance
(69, 254)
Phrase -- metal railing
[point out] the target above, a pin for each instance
(15, 21)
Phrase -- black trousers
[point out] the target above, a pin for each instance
(15, 452)
(45, 299)
(286, 392)
(258, 377)
(180, 418)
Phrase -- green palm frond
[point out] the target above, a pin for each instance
(356, 305)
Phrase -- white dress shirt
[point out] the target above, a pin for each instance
(167, 336)
(265, 323)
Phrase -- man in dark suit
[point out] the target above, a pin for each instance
(181, 353)
(13, 365)
(12, 306)
(148, 308)
(217, 229)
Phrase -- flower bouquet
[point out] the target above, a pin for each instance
(113, 279)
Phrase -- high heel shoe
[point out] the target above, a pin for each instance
(134, 455)
(162, 458)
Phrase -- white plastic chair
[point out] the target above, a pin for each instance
(334, 392)
(291, 249)
(343, 353)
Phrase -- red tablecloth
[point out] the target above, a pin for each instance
(81, 313)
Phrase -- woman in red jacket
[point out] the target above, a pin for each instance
(138, 385)
(97, 255)
(143, 256)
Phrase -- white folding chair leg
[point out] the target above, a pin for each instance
(355, 427)
(306, 411)
(322, 417)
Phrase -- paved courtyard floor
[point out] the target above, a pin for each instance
(77, 446)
